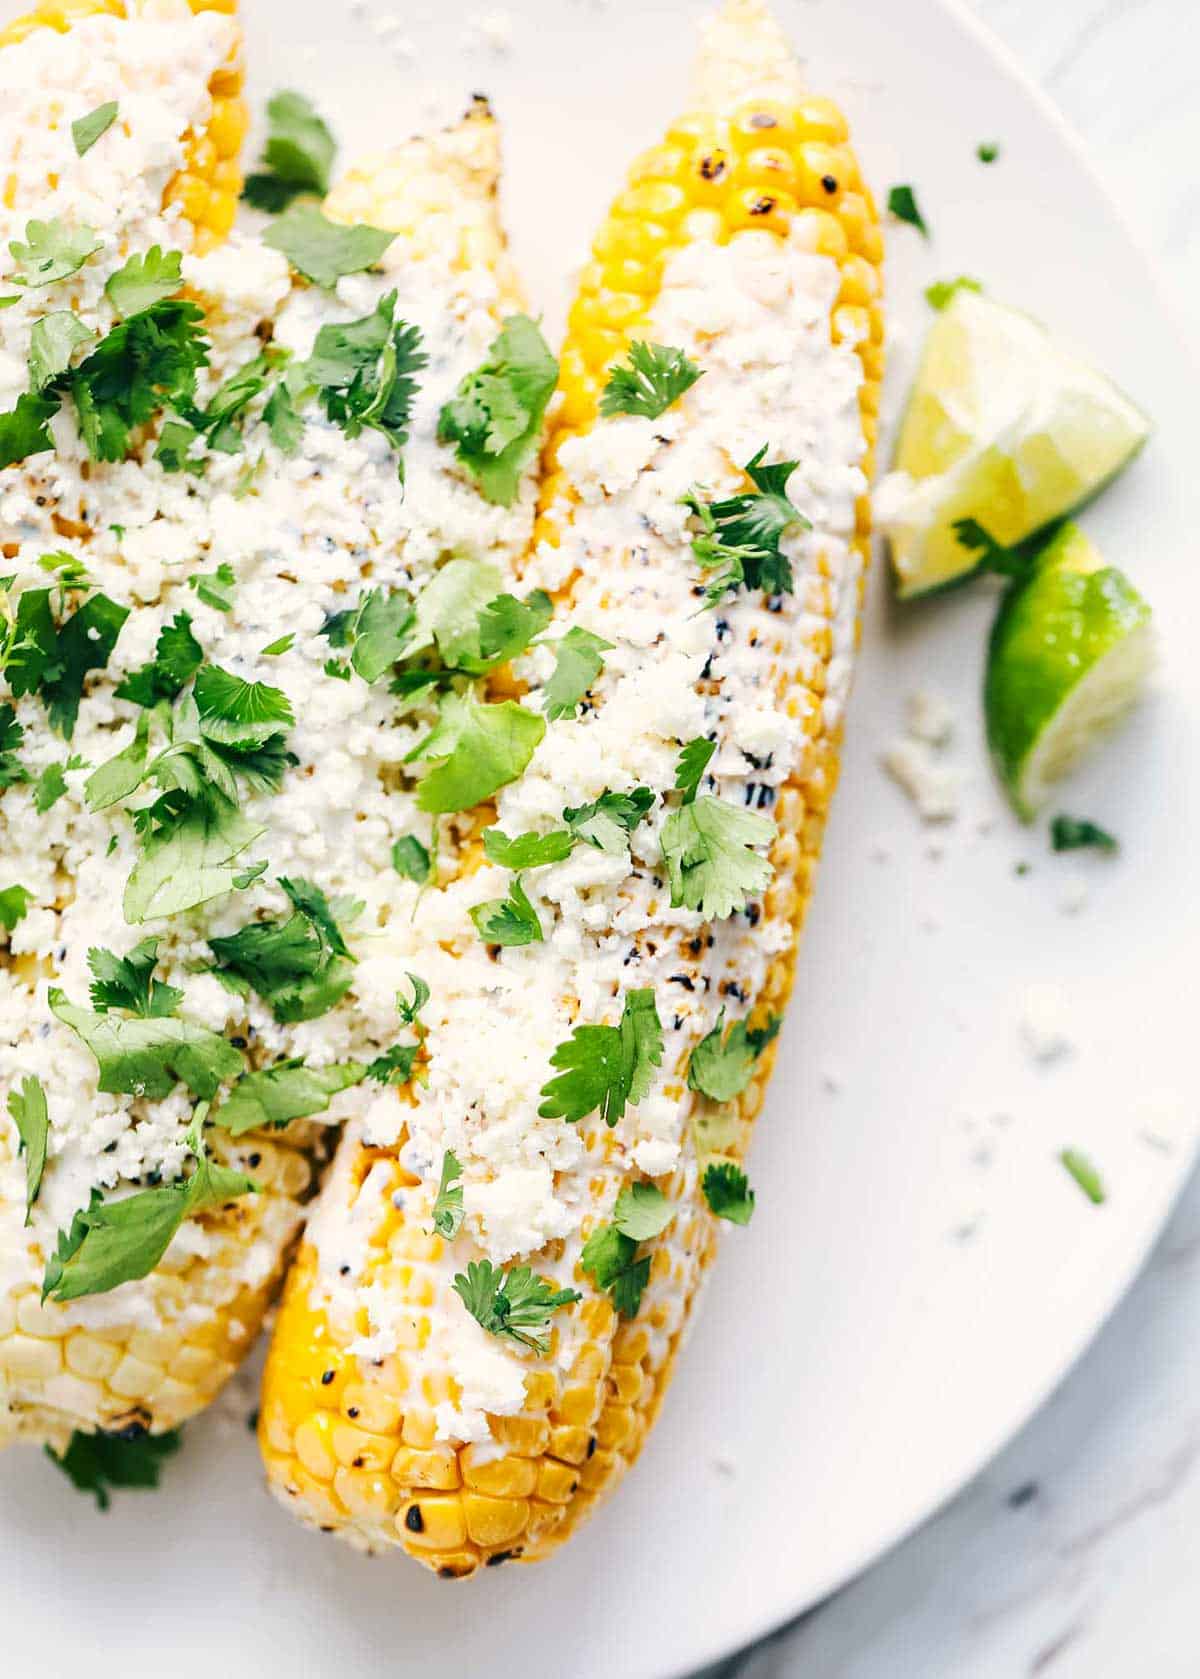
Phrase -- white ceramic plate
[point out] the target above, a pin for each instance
(861, 1353)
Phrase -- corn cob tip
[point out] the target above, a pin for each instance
(743, 55)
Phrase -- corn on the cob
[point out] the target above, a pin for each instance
(153, 1351)
(207, 185)
(370, 1425)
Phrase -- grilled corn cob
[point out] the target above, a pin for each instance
(206, 186)
(153, 1351)
(749, 240)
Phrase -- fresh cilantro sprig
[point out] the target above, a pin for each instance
(12, 735)
(31, 1116)
(301, 967)
(578, 661)
(177, 658)
(297, 157)
(324, 251)
(448, 1212)
(721, 1066)
(740, 536)
(215, 588)
(607, 822)
(606, 1067)
(276, 1095)
(117, 1241)
(376, 631)
(475, 749)
(511, 920)
(51, 251)
(142, 1054)
(708, 844)
(395, 1065)
(364, 372)
(511, 1305)
(494, 418)
(527, 851)
(53, 659)
(127, 982)
(145, 278)
(649, 382)
(611, 1253)
(727, 1191)
(100, 1463)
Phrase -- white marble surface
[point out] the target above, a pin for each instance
(1076, 1554)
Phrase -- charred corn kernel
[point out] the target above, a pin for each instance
(757, 159)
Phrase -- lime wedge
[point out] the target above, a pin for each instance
(1003, 426)
(1069, 651)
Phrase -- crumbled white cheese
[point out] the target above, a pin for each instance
(931, 717)
(932, 785)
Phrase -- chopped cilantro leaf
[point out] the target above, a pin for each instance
(411, 859)
(508, 625)
(608, 821)
(376, 631)
(1085, 1175)
(476, 749)
(52, 784)
(902, 203)
(173, 451)
(941, 292)
(97, 1463)
(708, 848)
(85, 131)
(693, 761)
(364, 372)
(84, 644)
(578, 663)
(527, 851)
(297, 157)
(1070, 833)
(149, 1056)
(727, 1191)
(508, 921)
(606, 1067)
(24, 430)
(177, 658)
(740, 536)
(147, 362)
(987, 151)
(14, 902)
(12, 734)
(215, 588)
(282, 421)
(642, 1211)
(143, 279)
(30, 1115)
(283, 644)
(300, 966)
(494, 418)
(321, 250)
(448, 1206)
(449, 607)
(189, 846)
(409, 1011)
(395, 1065)
(511, 1305)
(721, 1068)
(53, 340)
(237, 712)
(287, 1091)
(51, 251)
(112, 1242)
(126, 982)
(653, 378)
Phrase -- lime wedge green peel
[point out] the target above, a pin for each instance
(1070, 650)
(1004, 427)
